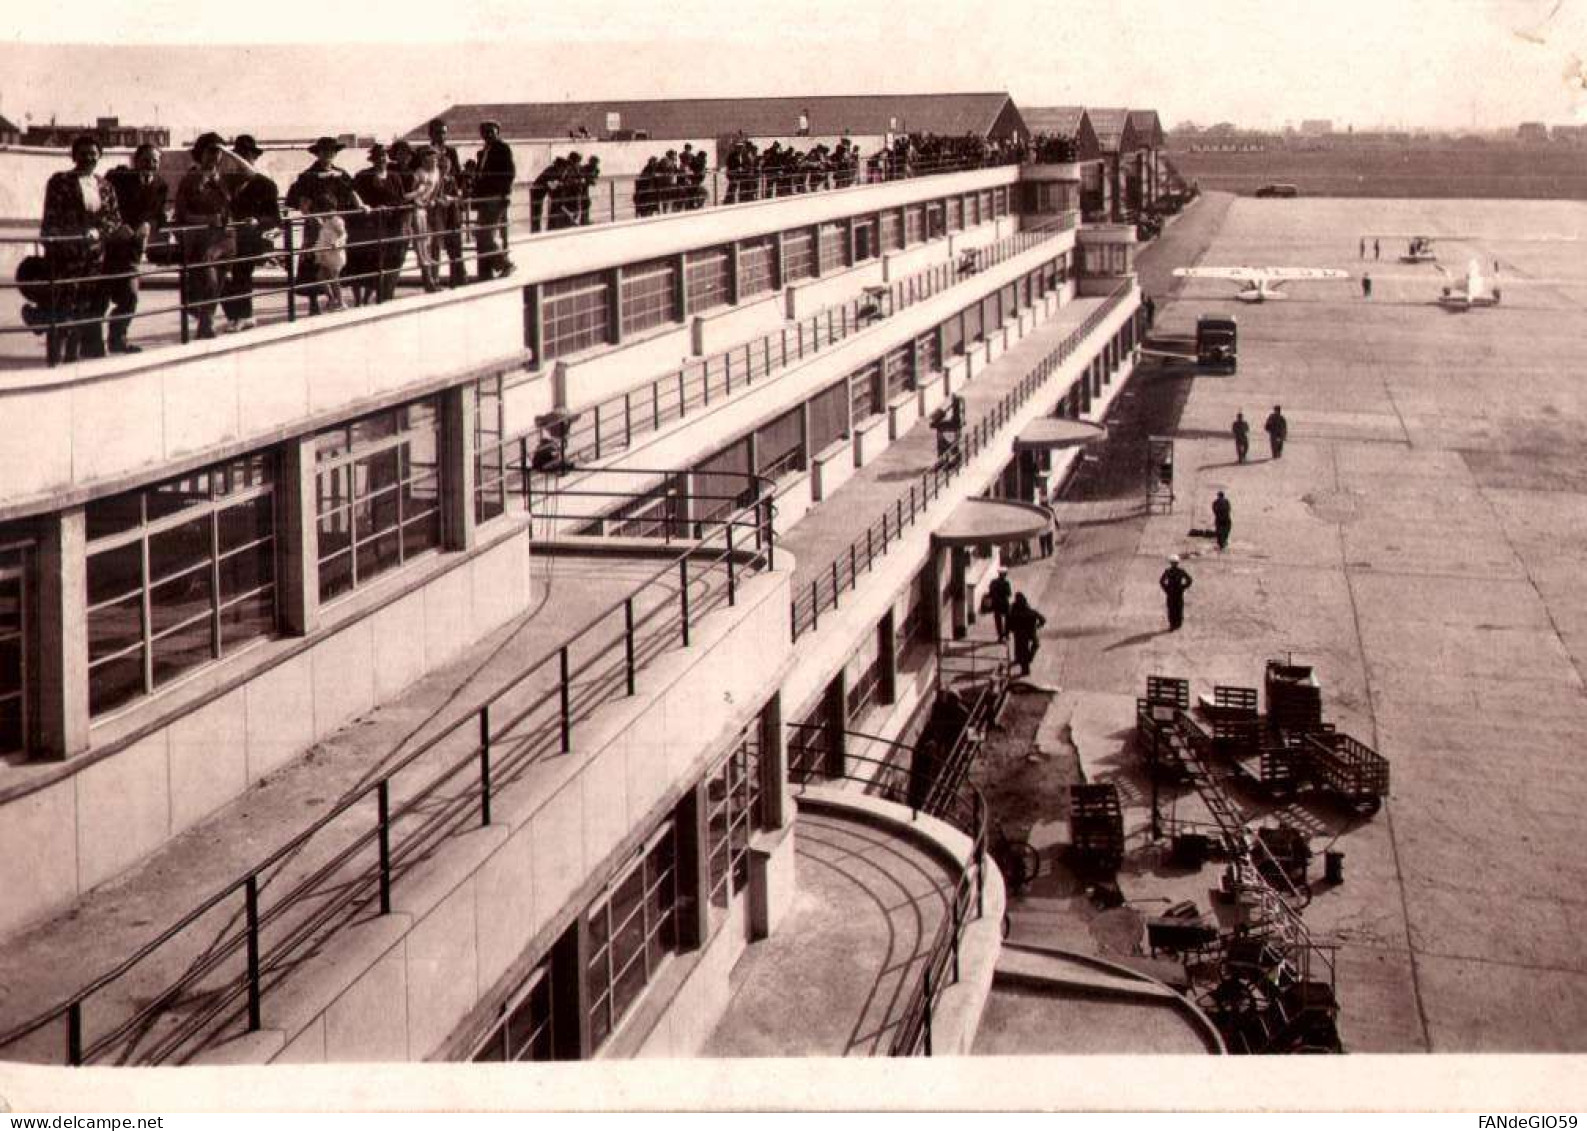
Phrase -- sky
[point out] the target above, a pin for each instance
(304, 67)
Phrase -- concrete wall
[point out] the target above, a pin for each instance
(396, 987)
(110, 812)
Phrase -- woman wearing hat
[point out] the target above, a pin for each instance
(203, 210)
(370, 237)
(256, 213)
(79, 215)
(320, 189)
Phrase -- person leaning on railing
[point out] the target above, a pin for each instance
(370, 271)
(322, 188)
(140, 197)
(426, 196)
(256, 214)
(80, 216)
(203, 210)
(446, 217)
(493, 188)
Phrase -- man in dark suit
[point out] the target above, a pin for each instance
(256, 211)
(140, 195)
(449, 215)
(493, 186)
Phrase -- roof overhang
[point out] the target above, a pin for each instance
(1054, 433)
(991, 522)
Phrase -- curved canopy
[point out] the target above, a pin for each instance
(991, 522)
(1052, 433)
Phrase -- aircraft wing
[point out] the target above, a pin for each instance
(1235, 274)
(1287, 273)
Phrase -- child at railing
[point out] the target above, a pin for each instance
(329, 257)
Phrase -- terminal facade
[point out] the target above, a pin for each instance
(216, 559)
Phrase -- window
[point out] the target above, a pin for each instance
(864, 239)
(829, 416)
(1000, 201)
(972, 209)
(650, 295)
(912, 628)
(575, 314)
(862, 390)
(898, 370)
(722, 483)
(928, 355)
(1010, 301)
(733, 812)
(953, 336)
(914, 224)
(527, 1029)
(936, 223)
(632, 929)
(13, 647)
(973, 331)
(779, 446)
(955, 214)
(834, 246)
(490, 473)
(798, 255)
(707, 275)
(867, 678)
(987, 205)
(892, 230)
(378, 494)
(756, 267)
(810, 743)
(179, 574)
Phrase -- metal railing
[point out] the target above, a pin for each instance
(610, 426)
(843, 571)
(247, 939)
(65, 301)
(964, 809)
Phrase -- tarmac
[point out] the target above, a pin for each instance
(1418, 544)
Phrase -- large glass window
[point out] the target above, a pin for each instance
(928, 355)
(914, 224)
(913, 626)
(898, 370)
(179, 574)
(953, 336)
(779, 446)
(986, 205)
(973, 324)
(378, 494)
(829, 416)
(650, 295)
(936, 224)
(575, 314)
(722, 483)
(14, 600)
(834, 246)
(706, 275)
(867, 675)
(490, 472)
(864, 239)
(632, 929)
(733, 812)
(892, 230)
(862, 390)
(798, 255)
(972, 209)
(955, 214)
(756, 267)
(527, 1029)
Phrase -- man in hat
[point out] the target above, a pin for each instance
(1222, 520)
(203, 209)
(493, 186)
(449, 213)
(1277, 431)
(80, 215)
(1174, 582)
(1242, 436)
(256, 213)
(1000, 593)
(140, 195)
(322, 187)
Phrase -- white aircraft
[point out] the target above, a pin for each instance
(1419, 250)
(1258, 284)
(1471, 291)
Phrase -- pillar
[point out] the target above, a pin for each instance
(887, 646)
(775, 808)
(61, 683)
(958, 560)
(458, 412)
(297, 540)
(835, 712)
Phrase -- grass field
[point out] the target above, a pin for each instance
(1500, 172)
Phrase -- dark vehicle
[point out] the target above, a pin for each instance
(1216, 342)
(1278, 190)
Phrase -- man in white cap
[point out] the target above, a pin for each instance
(1174, 583)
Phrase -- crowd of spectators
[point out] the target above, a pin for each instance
(358, 229)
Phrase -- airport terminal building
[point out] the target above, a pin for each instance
(456, 677)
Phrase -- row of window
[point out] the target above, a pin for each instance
(13, 634)
(634, 925)
(576, 313)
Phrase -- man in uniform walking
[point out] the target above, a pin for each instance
(1222, 520)
(1242, 436)
(1277, 431)
(1174, 582)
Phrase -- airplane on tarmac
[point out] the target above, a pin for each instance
(1258, 284)
(1473, 290)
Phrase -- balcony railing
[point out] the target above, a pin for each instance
(843, 571)
(68, 308)
(247, 940)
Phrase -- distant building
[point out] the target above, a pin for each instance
(109, 131)
(1570, 135)
(10, 132)
(1532, 131)
(1316, 127)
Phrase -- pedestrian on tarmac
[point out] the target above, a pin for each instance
(1242, 436)
(1277, 431)
(1366, 285)
(1174, 582)
(1222, 520)
(1363, 247)
(1377, 250)
(1023, 623)
(999, 594)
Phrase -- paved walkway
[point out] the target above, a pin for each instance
(835, 977)
(1420, 545)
